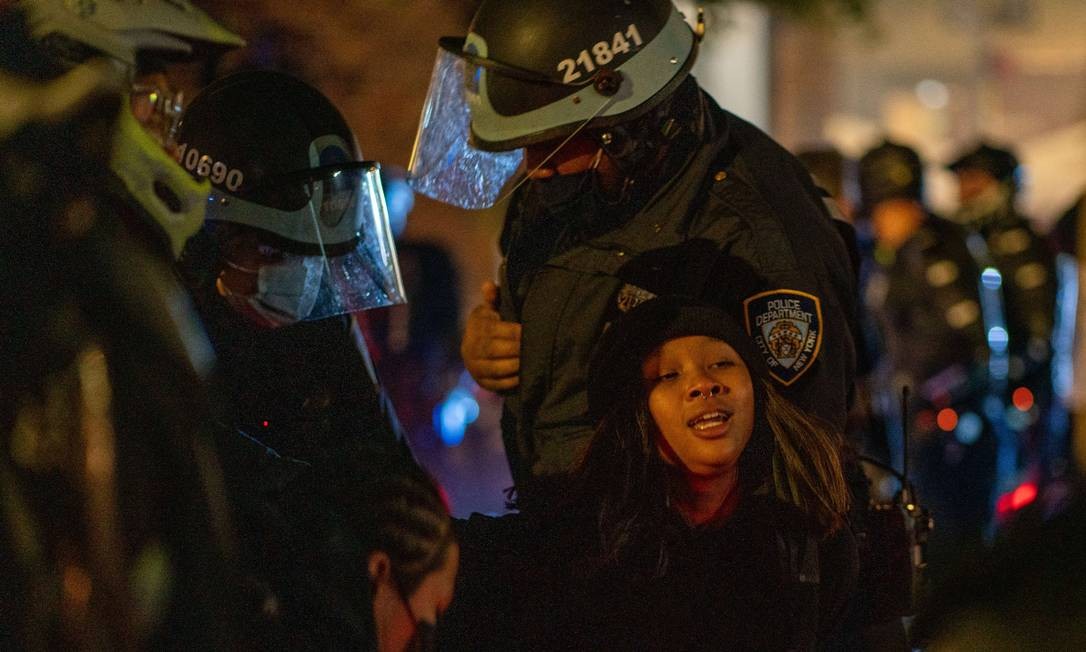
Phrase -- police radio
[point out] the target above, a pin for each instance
(902, 580)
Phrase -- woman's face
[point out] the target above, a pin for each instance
(702, 400)
(397, 627)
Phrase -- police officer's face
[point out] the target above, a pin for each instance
(243, 254)
(702, 400)
(972, 182)
(580, 154)
(156, 106)
(894, 221)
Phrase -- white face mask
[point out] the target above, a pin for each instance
(287, 292)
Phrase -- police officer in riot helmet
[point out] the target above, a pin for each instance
(988, 183)
(988, 180)
(296, 238)
(924, 294)
(620, 153)
(142, 41)
(113, 536)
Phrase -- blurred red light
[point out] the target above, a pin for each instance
(1023, 495)
(947, 419)
(1022, 399)
(265, 424)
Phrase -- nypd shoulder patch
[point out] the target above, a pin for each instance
(787, 327)
(630, 296)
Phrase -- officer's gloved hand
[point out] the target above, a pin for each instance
(491, 347)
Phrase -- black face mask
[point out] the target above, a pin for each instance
(560, 194)
(554, 215)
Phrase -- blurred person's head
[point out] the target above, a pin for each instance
(297, 225)
(140, 40)
(682, 402)
(987, 181)
(515, 88)
(891, 193)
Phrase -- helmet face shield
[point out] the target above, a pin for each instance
(325, 243)
(512, 82)
(444, 165)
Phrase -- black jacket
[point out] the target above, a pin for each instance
(760, 581)
(742, 197)
(302, 390)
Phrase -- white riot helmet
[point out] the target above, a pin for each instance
(130, 33)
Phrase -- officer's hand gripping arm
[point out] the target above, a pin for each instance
(491, 347)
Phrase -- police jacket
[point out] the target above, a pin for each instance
(752, 202)
(927, 302)
(759, 581)
(303, 390)
(1027, 269)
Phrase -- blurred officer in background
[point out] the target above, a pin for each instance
(622, 154)
(296, 239)
(988, 182)
(924, 292)
(114, 532)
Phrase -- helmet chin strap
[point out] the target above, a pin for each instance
(317, 230)
(528, 175)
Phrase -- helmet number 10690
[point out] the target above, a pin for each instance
(204, 166)
(600, 54)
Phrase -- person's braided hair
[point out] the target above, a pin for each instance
(406, 517)
(379, 500)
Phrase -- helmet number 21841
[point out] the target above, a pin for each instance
(600, 54)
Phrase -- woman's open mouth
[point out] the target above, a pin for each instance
(710, 420)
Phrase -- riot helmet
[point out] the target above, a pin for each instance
(538, 71)
(890, 171)
(135, 36)
(1001, 164)
(303, 207)
(988, 179)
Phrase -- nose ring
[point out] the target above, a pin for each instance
(713, 391)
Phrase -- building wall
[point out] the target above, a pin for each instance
(938, 74)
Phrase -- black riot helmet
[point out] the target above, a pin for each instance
(283, 163)
(1000, 163)
(534, 71)
(890, 171)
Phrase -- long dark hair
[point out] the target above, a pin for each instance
(622, 475)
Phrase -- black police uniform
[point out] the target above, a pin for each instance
(928, 306)
(753, 202)
(1028, 270)
(302, 390)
